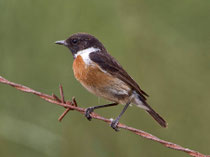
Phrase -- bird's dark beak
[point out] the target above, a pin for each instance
(61, 42)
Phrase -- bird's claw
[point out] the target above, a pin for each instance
(114, 124)
(88, 111)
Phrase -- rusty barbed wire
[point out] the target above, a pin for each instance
(73, 106)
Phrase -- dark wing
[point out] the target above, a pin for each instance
(109, 64)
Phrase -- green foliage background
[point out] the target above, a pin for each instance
(164, 45)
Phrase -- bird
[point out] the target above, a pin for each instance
(102, 75)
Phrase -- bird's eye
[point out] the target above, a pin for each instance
(74, 41)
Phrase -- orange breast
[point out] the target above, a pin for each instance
(99, 82)
(89, 75)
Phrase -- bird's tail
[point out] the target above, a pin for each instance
(157, 117)
(143, 104)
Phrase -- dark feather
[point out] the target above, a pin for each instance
(154, 114)
(109, 64)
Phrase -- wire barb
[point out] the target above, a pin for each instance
(65, 112)
(73, 106)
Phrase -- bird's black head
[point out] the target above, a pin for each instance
(81, 41)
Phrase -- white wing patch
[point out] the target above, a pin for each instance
(85, 54)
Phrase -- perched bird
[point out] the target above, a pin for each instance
(103, 76)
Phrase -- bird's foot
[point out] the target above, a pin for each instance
(114, 124)
(88, 111)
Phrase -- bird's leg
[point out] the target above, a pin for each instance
(116, 121)
(89, 110)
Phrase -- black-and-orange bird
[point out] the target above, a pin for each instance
(103, 76)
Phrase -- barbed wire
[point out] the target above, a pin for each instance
(72, 105)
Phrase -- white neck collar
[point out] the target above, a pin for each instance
(86, 51)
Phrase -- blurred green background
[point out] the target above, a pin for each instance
(164, 46)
